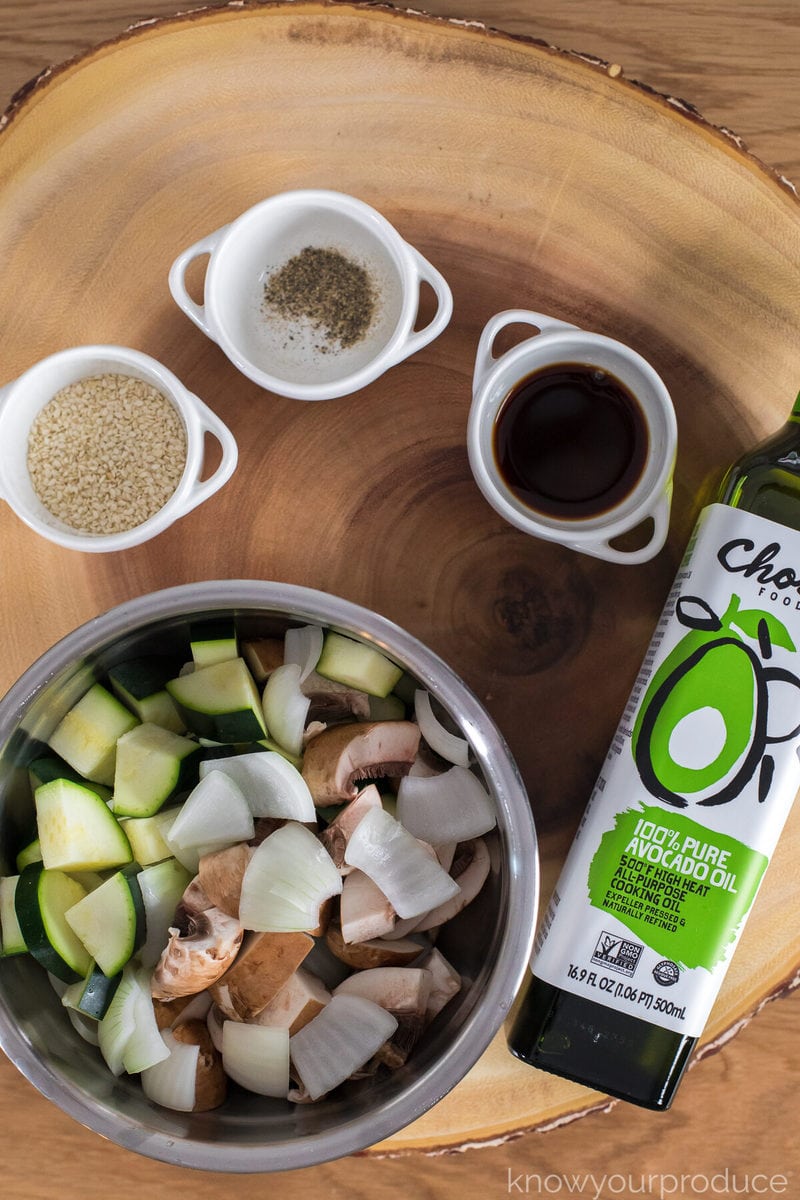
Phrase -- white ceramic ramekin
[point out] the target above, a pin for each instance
(23, 399)
(281, 356)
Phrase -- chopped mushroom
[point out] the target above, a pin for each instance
(378, 952)
(337, 834)
(202, 945)
(401, 991)
(445, 983)
(297, 1003)
(470, 869)
(262, 656)
(211, 1083)
(332, 702)
(262, 967)
(336, 759)
(220, 876)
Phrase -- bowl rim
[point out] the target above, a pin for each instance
(515, 817)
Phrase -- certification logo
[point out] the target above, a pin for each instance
(666, 972)
(617, 953)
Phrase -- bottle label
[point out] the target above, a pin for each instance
(695, 789)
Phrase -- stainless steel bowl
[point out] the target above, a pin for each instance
(489, 943)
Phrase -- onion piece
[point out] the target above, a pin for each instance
(271, 785)
(286, 882)
(449, 745)
(338, 1042)
(256, 1057)
(453, 807)
(215, 814)
(407, 873)
(173, 1081)
(285, 707)
(162, 885)
(119, 1024)
(145, 1047)
(303, 646)
(215, 1021)
(85, 1026)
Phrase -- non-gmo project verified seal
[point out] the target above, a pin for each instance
(617, 953)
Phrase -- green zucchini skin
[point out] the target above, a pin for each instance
(41, 899)
(98, 992)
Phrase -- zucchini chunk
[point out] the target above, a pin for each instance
(139, 684)
(220, 702)
(87, 736)
(152, 765)
(110, 921)
(41, 901)
(357, 665)
(11, 939)
(77, 831)
(213, 642)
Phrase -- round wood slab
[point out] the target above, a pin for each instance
(531, 178)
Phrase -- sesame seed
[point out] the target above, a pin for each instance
(106, 453)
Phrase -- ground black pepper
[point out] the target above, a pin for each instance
(327, 288)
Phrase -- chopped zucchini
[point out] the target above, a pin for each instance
(110, 922)
(87, 736)
(11, 939)
(386, 708)
(152, 765)
(28, 854)
(41, 901)
(213, 642)
(92, 996)
(139, 684)
(358, 665)
(220, 702)
(48, 767)
(77, 831)
(146, 836)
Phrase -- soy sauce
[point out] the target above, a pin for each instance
(570, 441)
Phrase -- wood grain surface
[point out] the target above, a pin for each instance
(738, 64)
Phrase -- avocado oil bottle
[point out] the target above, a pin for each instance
(689, 805)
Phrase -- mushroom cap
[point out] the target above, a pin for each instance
(197, 954)
(337, 758)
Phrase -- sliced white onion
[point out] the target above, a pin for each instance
(145, 1047)
(119, 1024)
(285, 707)
(270, 784)
(256, 1057)
(286, 882)
(85, 1026)
(453, 807)
(173, 1081)
(214, 1023)
(449, 745)
(408, 875)
(303, 646)
(162, 886)
(215, 814)
(338, 1042)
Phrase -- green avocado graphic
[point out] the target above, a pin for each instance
(713, 671)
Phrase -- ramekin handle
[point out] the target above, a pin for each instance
(177, 279)
(484, 357)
